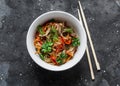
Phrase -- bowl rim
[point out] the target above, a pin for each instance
(54, 68)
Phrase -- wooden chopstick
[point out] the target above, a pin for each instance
(90, 64)
(89, 37)
(79, 16)
(87, 51)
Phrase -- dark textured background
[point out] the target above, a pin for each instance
(18, 69)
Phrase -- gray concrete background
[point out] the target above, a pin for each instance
(18, 69)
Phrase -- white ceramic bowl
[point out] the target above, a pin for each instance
(72, 21)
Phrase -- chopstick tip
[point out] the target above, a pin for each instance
(98, 67)
(93, 79)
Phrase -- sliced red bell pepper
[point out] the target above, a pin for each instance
(53, 58)
(68, 41)
(62, 40)
(59, 48)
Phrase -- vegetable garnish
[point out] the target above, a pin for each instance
(63, 55)
(59, 61)
(75, 42)
(53, 58)
(69, 30)
(40, 30)
(55, 42)
(41, 56)
(54, 33)
(47, 47)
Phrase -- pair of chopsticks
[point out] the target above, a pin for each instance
(84, 23)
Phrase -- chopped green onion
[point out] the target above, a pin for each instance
(41, 56)
(75, 42)
(63, 55)
(59, 61)
(54, 34)
(47, 47)
(39, 28)
(69, 30)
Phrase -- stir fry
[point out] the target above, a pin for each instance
(55, 42)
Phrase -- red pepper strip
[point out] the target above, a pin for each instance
(59, 48)
(53, 59)
(62, 40)
(68, 41)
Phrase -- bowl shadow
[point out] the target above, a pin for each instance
(68, 77)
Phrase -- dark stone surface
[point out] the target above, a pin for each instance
(18, 69)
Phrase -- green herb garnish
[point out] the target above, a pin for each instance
(63, 55)
(69, 30)
(54, 34)
(47, 47)
(41, 56)
(59, 61)
(75, 42)
(40, 30)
